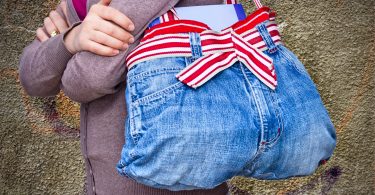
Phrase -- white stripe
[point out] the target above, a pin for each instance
(200, 64)
(185, 36)
(254, 66)
(256, 55)
(205, 53)
(217, 46)
(258, 76)
(161, 19)
(212, 67)
(257, 3)
(159, 42)
(166, 18)
(248, 37)
(261, 43)
(247, 23)
(247, 33)
(214, 73)
(205, 37)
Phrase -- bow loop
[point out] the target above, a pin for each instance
(220, 51)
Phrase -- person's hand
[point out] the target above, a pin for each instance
(104, 31)
(54, 23)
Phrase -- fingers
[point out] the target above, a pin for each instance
(41, 35)
(117, 17)
(101, 49)
(112, 14)
(106, 40)
(114, 31)
(63, 7)
(58, 21)
(48, 24)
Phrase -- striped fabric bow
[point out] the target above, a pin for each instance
(220, 51)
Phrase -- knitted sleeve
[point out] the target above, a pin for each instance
(88, 76)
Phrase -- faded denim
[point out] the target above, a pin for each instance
(180, 138)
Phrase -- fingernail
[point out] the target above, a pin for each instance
(131, 40)
(115, 52)
(131, 27)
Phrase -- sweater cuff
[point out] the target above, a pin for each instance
(57, 53)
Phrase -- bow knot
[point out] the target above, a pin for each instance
(221, 50)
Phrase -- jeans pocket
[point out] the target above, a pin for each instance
(151, 84)
(155, 79)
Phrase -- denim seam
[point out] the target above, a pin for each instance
(131, 115)
(133, 131)
(172, 89)
(279, 119)
(260, 148)
(151, 73)
(258, 108)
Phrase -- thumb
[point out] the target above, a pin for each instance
(104, 2)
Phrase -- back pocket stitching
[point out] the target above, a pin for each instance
(146, 100)
(141, 76)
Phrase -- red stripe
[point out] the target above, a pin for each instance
(251, 17)
(145, 45)
(196, 63)
(255, 40)
(231, 2)
(255, 60)
(215, 70)
(257, 73)
(240, 29)
(205, 66)
(156, 29)
(215, 41)
(159, 46)
(170, 15)
(216, 49)
(166, 38)
(274, 33)
(243, 42)
(264, 69)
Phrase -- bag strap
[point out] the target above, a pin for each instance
(256, 2)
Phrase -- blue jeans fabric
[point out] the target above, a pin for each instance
(180, 138)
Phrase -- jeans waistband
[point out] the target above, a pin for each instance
(243, 41)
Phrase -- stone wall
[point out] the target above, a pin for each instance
(39, 144)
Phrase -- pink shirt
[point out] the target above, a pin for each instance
(80, 7)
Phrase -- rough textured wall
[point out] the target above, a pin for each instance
(335, 39)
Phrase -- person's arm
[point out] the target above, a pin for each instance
(89, 76)
(42, 63)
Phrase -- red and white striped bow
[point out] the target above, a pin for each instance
(220, 51)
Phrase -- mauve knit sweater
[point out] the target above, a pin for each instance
(98, 84)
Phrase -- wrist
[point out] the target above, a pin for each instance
(69, 39)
